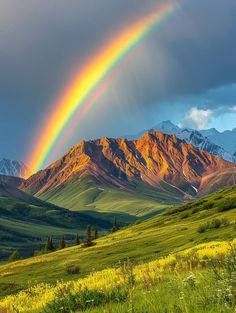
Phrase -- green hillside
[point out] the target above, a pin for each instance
(86, 194)
(24, 225)
(209, 219)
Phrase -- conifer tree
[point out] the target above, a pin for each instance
(114, 225)
(15, 256)
(77, 240)
(51, 247)
(95, 233)
(62, 243)
(88, 236)
(49, 244)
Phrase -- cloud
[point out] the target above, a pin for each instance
(197, 118)
(233, 109)
(44, 42)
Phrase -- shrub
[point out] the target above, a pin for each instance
(87, 244)
(208, 206)
(72, 269)
(225, 221)
(215, 223)
(85, 300)
(15, 256)
(227, 205)
(202, 228)
(184, 215)
(195, 210)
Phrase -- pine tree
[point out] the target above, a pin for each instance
(49, 245)
(77, 240)
(114, 225)
(62, 243)
(15, 256)
(88, 236)
(95, 233)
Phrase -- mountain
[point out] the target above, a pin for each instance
(225, 139)
(13, 168)
(11, 180)
(209, 140)
(209, 132)
(158, 166)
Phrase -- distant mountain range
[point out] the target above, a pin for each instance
(221, 144)
(158, 164)
(13, 168)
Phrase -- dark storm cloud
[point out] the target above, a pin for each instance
(43, 41)
(197, 49)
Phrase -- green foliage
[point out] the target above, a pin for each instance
(185, 215)
(85, 300)
(215, 223)
(208, 205)
(88, 236)
(164, 233)
(227, 205)
(15, 256)
(62, 243)
(49, 245)
(77, 240)
(72, 269)
(114, 225)
(212, 289)
(202, 228)
(95, 234)
(40, 219)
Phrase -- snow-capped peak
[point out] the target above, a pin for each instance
(13, 168)
(209, 132)
(167, 127)
(221, 144)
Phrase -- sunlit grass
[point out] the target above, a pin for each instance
(182, 282)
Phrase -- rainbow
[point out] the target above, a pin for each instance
(84, 86)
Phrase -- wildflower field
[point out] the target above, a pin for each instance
(200, 279)
(181, 261)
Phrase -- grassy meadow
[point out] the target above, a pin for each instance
(200, 279)
(179, 260)
(83, 194)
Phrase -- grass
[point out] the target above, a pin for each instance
(25, 225)
(201, 279)
(170, 232)
(88, 195)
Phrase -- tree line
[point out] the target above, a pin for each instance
(90, 236)
(88, 241)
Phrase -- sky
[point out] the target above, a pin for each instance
(184, 71)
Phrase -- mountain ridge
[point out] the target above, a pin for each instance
(210, 140)
(157, 160)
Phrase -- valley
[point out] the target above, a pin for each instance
(170, 232)
(118, 156)
(168, 199)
